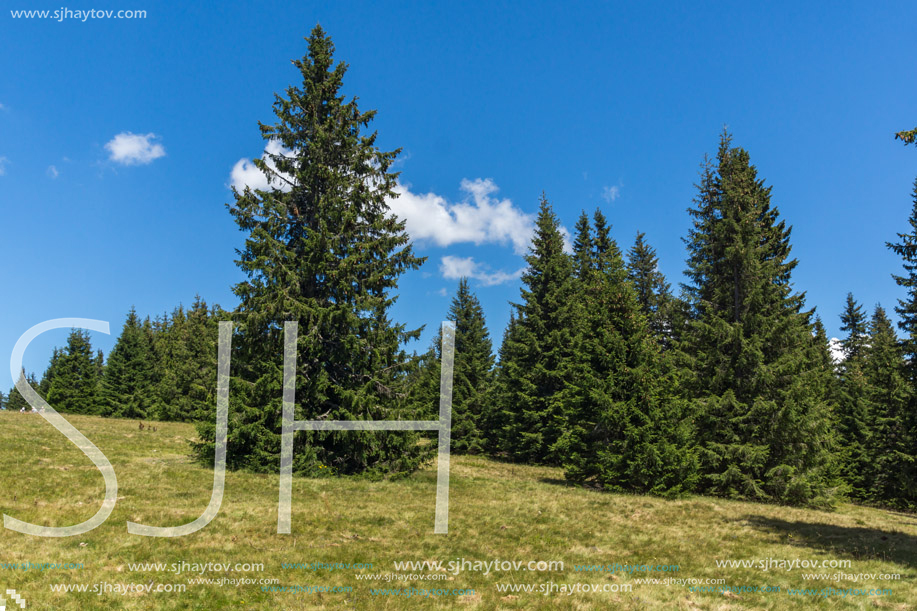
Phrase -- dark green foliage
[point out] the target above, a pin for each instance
(15, 401)
(891, 470)
(537, 353)
(622, 429)
(653, 292)
(127, 388)
(45, 385)
(327, 252)
(753, 368)
(903, 425)
(906, 248)
(472, 373)
(75, 384)
(185, 348)
(853, 401)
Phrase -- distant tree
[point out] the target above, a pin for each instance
(495, 420)
(127, 388)
(14, 400)
(752, 366)
(653, 292)
(75, 385)
(323, 249)
(185, 347)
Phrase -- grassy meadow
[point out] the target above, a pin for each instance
(498, 511)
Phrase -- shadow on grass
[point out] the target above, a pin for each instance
(859, 543)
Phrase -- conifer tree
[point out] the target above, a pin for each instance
(906, 248)
(496, 421)
(472, 372)
(753, 371)
(853, 401)
(45, 385)
(186, 351)
(75, 386)
(891, 465)
(322, 248)
(622, 430)
(14, 400)
(127, 388)
(538, 353)
(653, 292)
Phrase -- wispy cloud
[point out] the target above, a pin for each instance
(246, 174)
(610, 194)
(3, 162)
(454, 268)
(134, 149)
(480, 218)
(52, 172)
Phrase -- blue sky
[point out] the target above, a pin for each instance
(609, 105)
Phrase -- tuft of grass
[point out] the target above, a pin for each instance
(498, 511)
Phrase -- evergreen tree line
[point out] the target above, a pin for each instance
(726, 388)
(162, 369)
(729, 388)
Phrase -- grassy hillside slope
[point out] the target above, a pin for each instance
(497, 512)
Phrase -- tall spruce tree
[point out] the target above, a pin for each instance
(622, 430)
(75, 387)
(322, 249)
(752, 368)
(127, 388)
(891, 467)
(653, 292)
(536, 357)
(906, 248)
(853, 401)
(472, 372)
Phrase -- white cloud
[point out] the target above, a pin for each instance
(246, 174)
(610, 194)
(134, 149)
(2, 107)
(837, 350)
(480, 219)
(52, 172)
(442, 292)
(3, 162)
(454, 268)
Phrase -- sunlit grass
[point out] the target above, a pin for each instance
(497, 511)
